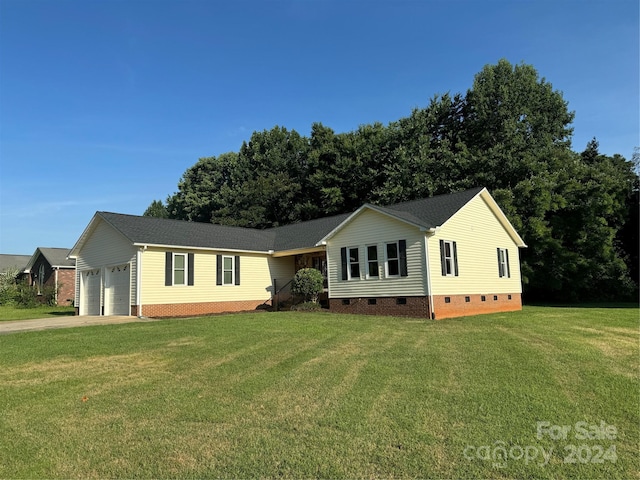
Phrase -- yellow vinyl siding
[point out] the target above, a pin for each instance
(373, 228)
(257, 272)
(478, 234)
(106, 247)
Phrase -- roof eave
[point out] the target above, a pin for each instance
(211, 249)
(298, 251)
(502, 218)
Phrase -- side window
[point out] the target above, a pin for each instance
(503, 263)
(392, 265)
(449, 258)
(372, 262)
(353, 260)
(227, 270)
(40, 279)
(179, 269)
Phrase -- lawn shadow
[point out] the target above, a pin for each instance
(584, 305)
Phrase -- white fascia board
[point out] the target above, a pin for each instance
(297, 251)
(502, 218)
(73, 253)
(209, 249)
(323, 240)
(497, 211)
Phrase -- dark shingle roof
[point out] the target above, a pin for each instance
(57, 257)
(160, 231)
(305, 234)
(8, 261)
(432, 212)
(429, 212)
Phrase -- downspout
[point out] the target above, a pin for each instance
(138, 279)
(428, 266)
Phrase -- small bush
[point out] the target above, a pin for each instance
(307, 284)
(21, 294)
(8, 286)
(26, 296)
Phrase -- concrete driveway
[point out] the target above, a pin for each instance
(64, 322)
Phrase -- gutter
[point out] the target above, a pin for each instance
(139, 279)
(208, 249)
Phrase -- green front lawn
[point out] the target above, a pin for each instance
(308, 395)
(18, 313)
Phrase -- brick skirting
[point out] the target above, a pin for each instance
(463, 305)
(446, 306)
(396, 306)
(193, 309)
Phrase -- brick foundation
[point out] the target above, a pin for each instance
(193, 309)
(412, 306)
(458, 306)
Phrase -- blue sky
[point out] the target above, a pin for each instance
(105, 104)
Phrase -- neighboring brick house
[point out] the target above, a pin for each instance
(50, 267)
(440, 257)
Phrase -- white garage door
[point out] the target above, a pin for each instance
(90, 292)
(116, 290)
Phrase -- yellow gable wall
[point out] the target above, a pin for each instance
(103, 248)
(477, 233)
(256, 278)
(373, 228)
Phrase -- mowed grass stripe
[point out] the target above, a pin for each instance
(317, 395)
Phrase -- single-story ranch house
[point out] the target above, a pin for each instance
(445, 256)
(51, 267)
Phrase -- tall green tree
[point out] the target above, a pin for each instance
(511, 132)
(156, 209)
(201, 188)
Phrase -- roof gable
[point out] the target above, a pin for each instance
(55, 257)
(424, 214)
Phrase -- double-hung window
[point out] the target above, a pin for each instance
(179, 269)
(392, 265)
(354, 263)
(449, 258)
(350, 262)
(372, 261)
(227, 270)
(503, 263)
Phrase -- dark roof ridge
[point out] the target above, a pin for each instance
(468, 191)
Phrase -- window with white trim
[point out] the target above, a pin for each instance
(353, 260)
(179, 268)
(228, 270)
(372, 261)
(449, 258)
(392, 262)
(503, 263)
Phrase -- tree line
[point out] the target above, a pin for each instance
(511, 133)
